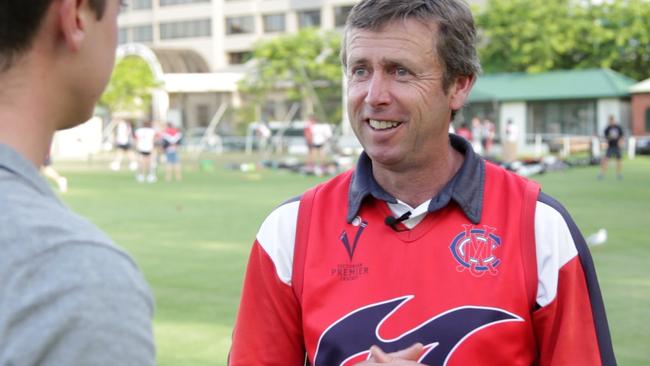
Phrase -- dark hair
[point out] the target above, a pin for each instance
(455, 44)
(19, 22)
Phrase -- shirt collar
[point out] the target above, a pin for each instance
(12, 161)
(465, 188)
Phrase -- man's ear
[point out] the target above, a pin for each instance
(72, 19)
(459, 91)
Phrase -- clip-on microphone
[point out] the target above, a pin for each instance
(393, 221)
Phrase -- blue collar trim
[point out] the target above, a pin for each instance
(465, 188)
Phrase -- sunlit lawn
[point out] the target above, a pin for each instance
(191, 240)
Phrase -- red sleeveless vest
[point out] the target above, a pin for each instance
(463, 290)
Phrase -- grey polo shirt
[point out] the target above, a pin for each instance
(68, 295)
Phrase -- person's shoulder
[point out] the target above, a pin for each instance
(286, 213)
(492, 168)
(80, 266)
(550, 201)
(88, 293)
(46, 244)
(552, 212)
(281, 217)
(558, 238)
(38, 225)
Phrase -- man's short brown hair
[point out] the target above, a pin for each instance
(19, 22)
(456, 41)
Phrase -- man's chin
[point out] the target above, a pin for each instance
(382, 157)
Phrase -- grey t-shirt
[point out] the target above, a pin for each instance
(68, 295)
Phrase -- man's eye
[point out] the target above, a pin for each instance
(359, 72)
(400, 71)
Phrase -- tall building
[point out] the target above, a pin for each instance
(223, 31)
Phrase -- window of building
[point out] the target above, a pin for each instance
(140, 4)
(186, 29)
(273, 23)
(309, 18)
(238, 58)
(562, 117)
(240, 25)
(123, 36)
(142, 33)
(480, 110)
(203, 114)
(647, 120)
(179, 2)
(341, 15)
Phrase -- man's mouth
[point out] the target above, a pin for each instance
(383, 125)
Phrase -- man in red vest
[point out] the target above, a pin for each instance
(425, 254)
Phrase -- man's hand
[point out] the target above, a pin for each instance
(405, 357)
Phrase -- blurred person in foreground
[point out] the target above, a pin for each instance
(425, 253)
(68, 295)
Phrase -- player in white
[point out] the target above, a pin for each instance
(123, 137)
(316, 135)
(145, 140)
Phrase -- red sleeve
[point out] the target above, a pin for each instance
(268, 330)
(565, 328)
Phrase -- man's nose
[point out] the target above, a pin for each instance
(378, 90)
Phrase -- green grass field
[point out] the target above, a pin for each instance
(191, 240)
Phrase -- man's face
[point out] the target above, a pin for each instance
(396, 103)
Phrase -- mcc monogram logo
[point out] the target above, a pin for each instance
(474, 250)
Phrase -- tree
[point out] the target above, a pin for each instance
(620, 38)
(541, 35)
(304, 65)
(520, 35)
(129, 89)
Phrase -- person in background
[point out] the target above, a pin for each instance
(263, 133)
(614, 136)
(511, 142)
(145, 142)
(488, 131)
(316, 135)
(477, 133)
(123, 140)
(68, 295)
(171, 140)
(310, 164)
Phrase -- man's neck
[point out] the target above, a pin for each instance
(26, 120)
(419, 183)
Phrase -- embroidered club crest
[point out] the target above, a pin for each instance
(474, 250)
